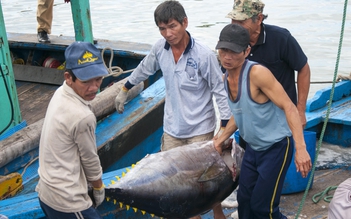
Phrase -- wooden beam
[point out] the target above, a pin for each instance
(82, 20)
(38, 74)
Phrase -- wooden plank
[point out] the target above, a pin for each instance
(26, 206)
(59, 43)
(289, 204)
(145, 117)
(119, 133)
(34, 99)
(38, 74)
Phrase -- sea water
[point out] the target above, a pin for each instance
(316, 24)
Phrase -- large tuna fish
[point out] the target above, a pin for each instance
(181, 182)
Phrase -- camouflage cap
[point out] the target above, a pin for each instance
(245, 9)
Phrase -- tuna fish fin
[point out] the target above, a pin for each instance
(213, 171)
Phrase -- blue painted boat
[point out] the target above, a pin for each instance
(31, 73)
(126, 54)
(123, 139)
(116, 134)
(338, 129)
(25, 204)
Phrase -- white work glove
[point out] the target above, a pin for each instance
(121, 99)
(99, 195)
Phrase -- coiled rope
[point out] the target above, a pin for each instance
(114, 71)
(324, 194)
(327, 114)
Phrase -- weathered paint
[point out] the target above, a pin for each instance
(119, 133)
(82, 20)
(126, 55)
(338, 130)
(10, 114)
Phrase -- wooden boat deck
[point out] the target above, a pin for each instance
(289, 204)
(33, 99)
(333, 166)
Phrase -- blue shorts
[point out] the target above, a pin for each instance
(261, 180)
(50, 213)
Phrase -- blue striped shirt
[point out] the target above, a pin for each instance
(190, 85)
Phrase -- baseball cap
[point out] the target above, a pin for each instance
(85, 61)
(245, 9)
(233, 37)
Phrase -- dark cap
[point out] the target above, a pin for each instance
(85, 61)
(233, 37)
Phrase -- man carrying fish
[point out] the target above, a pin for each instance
(275, 48)
(269, 123)
(67, 149)
(192, 77)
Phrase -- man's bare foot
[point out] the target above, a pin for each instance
(196, 217)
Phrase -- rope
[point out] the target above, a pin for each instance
(327, 198)
(28, 164)
(343, 78)
(114, 71)
(327, 114)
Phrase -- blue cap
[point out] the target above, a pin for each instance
(85, 61)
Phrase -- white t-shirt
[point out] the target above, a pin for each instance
(67, 152)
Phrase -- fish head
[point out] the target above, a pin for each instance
(232, 156)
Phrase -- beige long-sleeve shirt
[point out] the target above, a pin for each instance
(67, 152)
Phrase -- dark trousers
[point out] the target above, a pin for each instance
(261, 180)
(90, 213)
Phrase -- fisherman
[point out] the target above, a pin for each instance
(267, 120)
(275, 48)
(67, 149)
(192, 77)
